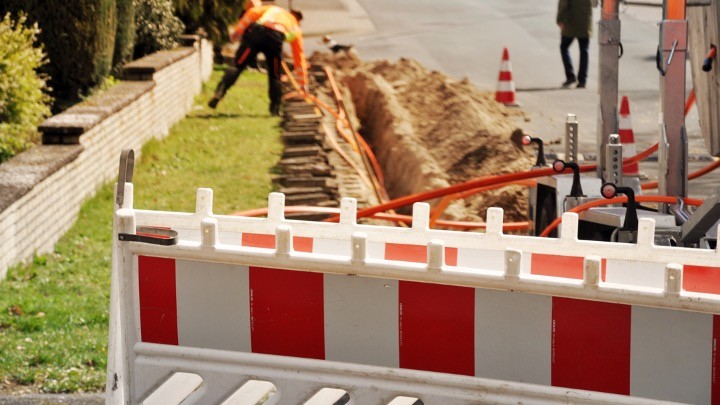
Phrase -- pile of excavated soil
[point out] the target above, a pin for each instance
(429, 131)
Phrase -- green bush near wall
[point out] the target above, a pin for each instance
(157, 26)
(124, 35)
(210, 17)
(79, 37)
(23, 100)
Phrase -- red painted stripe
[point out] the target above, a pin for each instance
(158, 300)
(505, 96)
(300, 244)
(416, 253)
(406, 253)
(561, 266)
(702, 279)
(591, 345)
(286, 313)
(436, 321)
(626, 135)
(451, 256)
(505, 76)
(715, 387)
(437, 328)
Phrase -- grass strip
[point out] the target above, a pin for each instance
(54, 312)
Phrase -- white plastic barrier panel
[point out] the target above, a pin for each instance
(269, 310)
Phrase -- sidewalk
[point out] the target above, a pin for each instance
(53, 399)
(330, 17)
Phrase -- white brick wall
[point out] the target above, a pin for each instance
(38, 219)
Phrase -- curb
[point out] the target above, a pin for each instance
(53, 399)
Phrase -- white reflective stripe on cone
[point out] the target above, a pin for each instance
(505, 86)
(624, 122)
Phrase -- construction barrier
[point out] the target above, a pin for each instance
(305, 312)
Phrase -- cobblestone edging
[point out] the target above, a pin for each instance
(42, 189)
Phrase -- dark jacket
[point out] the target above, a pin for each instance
(576, 15)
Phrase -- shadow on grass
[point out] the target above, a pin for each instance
(211, 116)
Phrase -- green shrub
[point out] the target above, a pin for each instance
(210, 17)
(124, 35)
(157, 27)
(79, 38)
(23, 101)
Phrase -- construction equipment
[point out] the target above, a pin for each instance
(676, 225)
(621, 308)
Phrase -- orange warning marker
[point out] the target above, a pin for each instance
(627, 137)
(506, 88)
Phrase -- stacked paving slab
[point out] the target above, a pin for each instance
(312, 171)
(307, 178)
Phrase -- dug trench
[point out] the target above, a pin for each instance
(429, 131)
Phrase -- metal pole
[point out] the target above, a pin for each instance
(671, 65)
(609, 42)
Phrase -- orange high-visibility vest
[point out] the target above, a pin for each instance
(278, 19)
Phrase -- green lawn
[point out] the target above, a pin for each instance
(54, 311)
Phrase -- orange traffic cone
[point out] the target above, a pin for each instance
(627, 137)
(506, 88)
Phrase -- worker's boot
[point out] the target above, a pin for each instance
(275, 109)
(231, 75)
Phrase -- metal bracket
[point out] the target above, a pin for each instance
(571, 138)
(125, 174)
(614, 160)
(151, 234)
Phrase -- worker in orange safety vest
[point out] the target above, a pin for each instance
(264, 29)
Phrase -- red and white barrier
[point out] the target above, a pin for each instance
(332, 299)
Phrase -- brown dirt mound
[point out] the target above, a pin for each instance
(429, 130)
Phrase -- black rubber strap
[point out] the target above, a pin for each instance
(151, 234)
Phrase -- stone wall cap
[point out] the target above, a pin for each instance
(24, 171)
(82, 117)
(70, 123)
(155, 61)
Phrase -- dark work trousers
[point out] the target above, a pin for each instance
(567, 60)
(257, 39)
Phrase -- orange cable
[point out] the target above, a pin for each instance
(690, 101)
(694, 175)
(357, 137)
(482, 181)
(440, 208)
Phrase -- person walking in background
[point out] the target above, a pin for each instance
(574, 17)
(264, 29)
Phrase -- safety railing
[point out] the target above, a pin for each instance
(288, 311)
